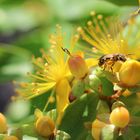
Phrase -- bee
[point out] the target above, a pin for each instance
(110, 60)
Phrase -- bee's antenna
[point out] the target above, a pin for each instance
(129, 54)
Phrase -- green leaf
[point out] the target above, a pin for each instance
(78, 88)
(108, 133)
(14, 62)
(89, 136)
(1, 136)
(26, 129)
(107, 86)
(94, 82)
(128, 134)
(120, 138)
(40, 102)
(110, 76)
(132, 102)
(77, 9)
(136, 130)
(124, 2)
(135, 121)
(102, 107)
(13, 16)
(61, 135)
(80, 111)
(135, 89)
(104, 117)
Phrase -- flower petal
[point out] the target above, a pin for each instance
(62, 96)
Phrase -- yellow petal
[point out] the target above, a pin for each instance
(62, 96)
(91, 62)
(38, 90)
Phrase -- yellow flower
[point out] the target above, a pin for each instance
(108, 36)
(52, 73)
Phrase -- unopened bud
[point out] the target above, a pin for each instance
(10, 138)
(120, 117)
(77, 66)
(129, 73)
(45, 126)
(3, 123)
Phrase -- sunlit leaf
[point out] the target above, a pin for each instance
(75, 116)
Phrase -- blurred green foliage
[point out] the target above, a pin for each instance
(25, 27)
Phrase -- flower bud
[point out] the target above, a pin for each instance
(77, 66)
(120, 117)
(96, 129)
(94, 82)
(45, 126)
(3, 123)
(129, 73)
(10, 138)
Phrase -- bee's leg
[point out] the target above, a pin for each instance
(104, 67)
(111, 67)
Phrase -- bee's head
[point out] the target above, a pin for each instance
(101, 61)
